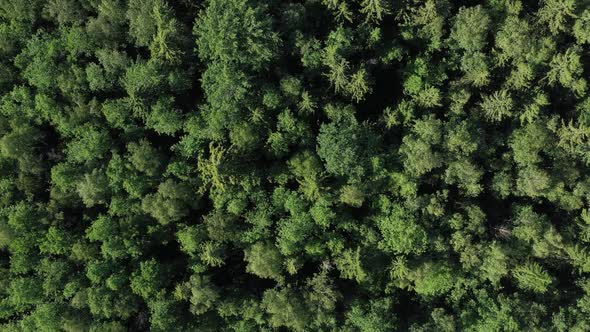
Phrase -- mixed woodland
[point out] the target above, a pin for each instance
(294, 165)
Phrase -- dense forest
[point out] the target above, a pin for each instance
(294, 165)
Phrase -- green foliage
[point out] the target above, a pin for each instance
(582, 28)
(425, 21)
(514, 39)
(164, 118)
(308, 171)
(170, 203)
(24, 292)
(497, 106)
(345, 149)
(528, 142)
(148, 280)
(554, 14)
(401, 232)
(471, 28)
(325, 165)
(566, 69)
(235, 32)
(90, 144)
(285, 309)
(374, 316)
(466, 176)
(57, 242)
(495, 264)
(39, 61)
(531, 276)
(350, 265)
(143, 79)
(476, 69)
(94, 188)
(106, 303)
(200, 292)
(264, 260)
(418, 148)
(145, 158)
(433, 279)
(375, 9)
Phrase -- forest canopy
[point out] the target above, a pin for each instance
(294, 165)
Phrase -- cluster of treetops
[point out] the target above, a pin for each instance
(294, 165)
